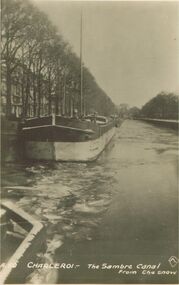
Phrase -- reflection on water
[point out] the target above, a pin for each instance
(121, 208)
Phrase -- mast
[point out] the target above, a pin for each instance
(81, 67)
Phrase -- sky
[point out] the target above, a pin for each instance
(131, 48)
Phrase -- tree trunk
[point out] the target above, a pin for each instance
(49, 95)
(34, 91)
(64, 97)
(39, 95)
(8, 89)
(23, 94)
(57, 95)
(27, 95)
(56, 101)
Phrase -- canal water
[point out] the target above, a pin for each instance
(107, 219)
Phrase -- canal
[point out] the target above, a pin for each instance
(110, 219)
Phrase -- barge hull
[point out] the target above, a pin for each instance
(68, 151)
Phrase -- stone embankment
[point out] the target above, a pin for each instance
(172, 124)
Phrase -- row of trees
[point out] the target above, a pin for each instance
(30, 43)
(163, 106)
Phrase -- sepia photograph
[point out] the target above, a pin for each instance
(89, 142)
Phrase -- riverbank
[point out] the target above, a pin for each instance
(172, 124)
